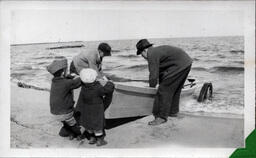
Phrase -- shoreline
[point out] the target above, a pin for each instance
(200, 114)
(32, 126)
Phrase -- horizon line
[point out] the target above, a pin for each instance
(54, 42)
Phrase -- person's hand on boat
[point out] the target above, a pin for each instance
(72, 76)
(105, 78)
(102, 81)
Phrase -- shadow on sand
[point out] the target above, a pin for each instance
(112, 123)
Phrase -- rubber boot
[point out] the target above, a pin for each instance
(92, 138)
(100, 141)
(76, 130)
(73, 131)
(65, 131)
(72, 136)
(80, 137)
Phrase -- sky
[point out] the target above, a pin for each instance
(121, 22)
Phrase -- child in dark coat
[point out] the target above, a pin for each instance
(90, 104)
(61, 98)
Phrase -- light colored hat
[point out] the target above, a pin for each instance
(57, 64)
(88, 75)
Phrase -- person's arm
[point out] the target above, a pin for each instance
(72, 68)
(107, 88)
(75, 83)
(107, 91)
(153, 65)
(97, 65)
(84, 63)
(81, 63)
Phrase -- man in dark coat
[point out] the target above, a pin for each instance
(169, 66)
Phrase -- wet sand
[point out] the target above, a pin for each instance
(32, 126)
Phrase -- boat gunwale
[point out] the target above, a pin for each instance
(143, 90)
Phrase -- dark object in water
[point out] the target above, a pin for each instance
(191, 83)
(24, 85)
(69, 46)
(237, 51)
(206, 92)
(230, 69)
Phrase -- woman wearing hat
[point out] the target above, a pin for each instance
(169, 66)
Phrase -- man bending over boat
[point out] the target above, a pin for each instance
(90, 59)
(169, 66)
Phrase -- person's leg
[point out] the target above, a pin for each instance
(181, 78)
(92, 137)
(162, 103)
(74, 127)
(65, 131)
(77, 115)
(168, 92)
(100, 138)
(155, 110)
(165, 99)
(174, 109)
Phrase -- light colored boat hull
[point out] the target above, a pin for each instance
(132, 101)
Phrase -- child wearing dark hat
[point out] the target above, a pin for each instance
(92, 103)
(61, 98)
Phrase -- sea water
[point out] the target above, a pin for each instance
(219, 60)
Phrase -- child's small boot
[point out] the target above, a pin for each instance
(72, 136)
(80, 137)
(92, 139)
(65, 131)
(77, 130)
(100, 141)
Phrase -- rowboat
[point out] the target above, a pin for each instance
(132, 100)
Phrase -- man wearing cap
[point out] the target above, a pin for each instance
(93, 59)
(169, 66)
(90, 59)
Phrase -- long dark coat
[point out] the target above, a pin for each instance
(91, 104)
(165, 62)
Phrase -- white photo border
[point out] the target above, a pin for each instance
(6, 7)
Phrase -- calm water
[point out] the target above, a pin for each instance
(219, 60)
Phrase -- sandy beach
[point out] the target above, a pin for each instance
(32, 126)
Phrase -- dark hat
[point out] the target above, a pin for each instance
(105, 48)
(141, 45)
(57, 65)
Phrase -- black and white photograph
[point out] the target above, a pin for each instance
(156, 76)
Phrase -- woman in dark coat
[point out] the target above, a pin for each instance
(91, 105)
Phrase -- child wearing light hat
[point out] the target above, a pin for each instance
(90, 104)
(61, 98)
